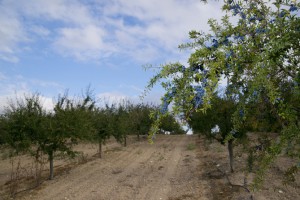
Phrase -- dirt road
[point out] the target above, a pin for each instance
(178, 167)
(168, 169)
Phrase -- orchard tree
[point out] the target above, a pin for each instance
(23, 128)
(255, 47)
(123, 122)
(120, 123)
(140, 121)
(69, 123)
(220, 114)
(260, 117)
(103, 129)
(170, 124)
(30, 129)
(23, 125)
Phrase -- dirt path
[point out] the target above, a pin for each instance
(164, 170)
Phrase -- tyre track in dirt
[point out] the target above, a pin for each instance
(117, 175)
(140, 171)
(188, 182)
(78, 179)
(159, 185)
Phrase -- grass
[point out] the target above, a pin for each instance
(161, 157)
(191, 147)
(114, 149)
(139, 152)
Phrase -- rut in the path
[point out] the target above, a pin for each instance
(139, 171)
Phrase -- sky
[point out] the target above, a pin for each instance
(49, 47)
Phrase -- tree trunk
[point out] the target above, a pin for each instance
(138, 137)
(38, 169)
(230, 151)
(51, 165)
(125, 141)
(100, 148)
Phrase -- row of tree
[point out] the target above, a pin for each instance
(27, 127)
(220, 115)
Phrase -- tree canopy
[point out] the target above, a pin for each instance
(255, 48)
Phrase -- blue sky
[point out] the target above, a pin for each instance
(53, 46)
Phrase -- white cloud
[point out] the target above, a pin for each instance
(78, 33)
(42, 83)
(119, 97)
(144, 31)
(17, 86)
(11, 34)
(82, 43)
(9, 92)
(135, 88)
(68, 11)
(2, 77)
(158, 26)
(40, 31)
(112, 98)
(47, 103)
(7, 100)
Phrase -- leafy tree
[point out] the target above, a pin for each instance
(102, 119)
(23, 124)
(260, 117)
(29, 128)
(120, 123)
(69, 123)
(169, 123)
(123, 122)
(3, 133)
(139, 115)
(220, 114)
(256, 48)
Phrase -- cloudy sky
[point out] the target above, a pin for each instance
(53, 46)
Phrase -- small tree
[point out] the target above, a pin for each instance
(102, 119)
(170, 124)
(69, 123)
(24, 124)
(31, 129)
(119, 124)
(220, 113)
(139, 118)
(123, 123)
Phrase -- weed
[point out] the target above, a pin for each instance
(82, 158)
(161, 157)
(116, 149)
(218, 149)
(116, 171)
(191, 147)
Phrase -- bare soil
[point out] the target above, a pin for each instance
(175, 167)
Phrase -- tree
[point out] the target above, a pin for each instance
(256, 53)
(120, 123)
(30, 129)
(69, 123)
(220, 114)
(122, 120)
(102, 119)
(23, 124)
(170, 124)
(140, 119)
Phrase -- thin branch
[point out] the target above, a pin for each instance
(231, 184)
